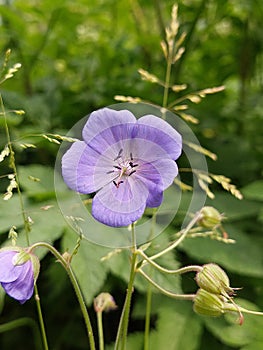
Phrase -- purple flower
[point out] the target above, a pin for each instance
(127, 162)
(18, 272)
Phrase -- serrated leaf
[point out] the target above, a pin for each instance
(177, 326)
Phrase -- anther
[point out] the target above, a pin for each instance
(119, 154)
(132, 172)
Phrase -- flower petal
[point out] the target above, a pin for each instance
(104, 119)
(120, 206)
(162, 133)
(82, 167)
(8, 272)
(23, 287)
(157, 176)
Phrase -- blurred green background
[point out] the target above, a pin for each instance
(76, 56)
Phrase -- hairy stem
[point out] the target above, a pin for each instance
(166, 292)
(124, 321)
(75, 285)
(25, 220)
(100, 330)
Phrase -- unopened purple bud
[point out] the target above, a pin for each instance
(18, 272)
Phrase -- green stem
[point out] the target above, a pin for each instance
(75, 285)
(25, 220)
(148, 317)
(166, 292)
(100, 330)
(23, 322)
(180, 271)
(167, 79)
(124, 321)
(182, 237)
(40, 318)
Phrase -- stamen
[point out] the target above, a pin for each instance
(119, 154)
(117, 184)
(116, 167)
(131, 156)
(110, 172)
(133, 165)
(132, 172)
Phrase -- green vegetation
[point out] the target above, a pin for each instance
(76, 56)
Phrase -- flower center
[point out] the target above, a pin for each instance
(123, 168)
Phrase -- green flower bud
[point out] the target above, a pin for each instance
(104, 302)
(213, 279)
(208, 304)
(210, 217)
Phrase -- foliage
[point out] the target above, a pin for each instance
(75, 57)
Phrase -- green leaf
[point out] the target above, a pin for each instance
(37, 181)
(10, 214)
(177, 326)
(254, 190)
(257, 345)
(87, 266)
(231, 333)
(234, 257)
(233, 208)
(47, 225)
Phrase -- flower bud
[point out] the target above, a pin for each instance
(208, 304)
(210, 217)
(18, 273)
(104, 302)
(213, 279)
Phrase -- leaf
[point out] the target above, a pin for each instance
(10, 214)
(257, 345)
(47, 225)
(86, 264)
(231, 333)
(177, 326)
(38, 182)
(254, 190)
(234, 257)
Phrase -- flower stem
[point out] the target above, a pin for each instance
(182, 270)
(147, 317)
(40, 318)
(167, 78)
(25, 219)
(166, 292)
(124, 321)
(182, 237)
(100, 330)
(75, 285)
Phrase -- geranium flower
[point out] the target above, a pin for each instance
(18, 273)
(127, 162)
